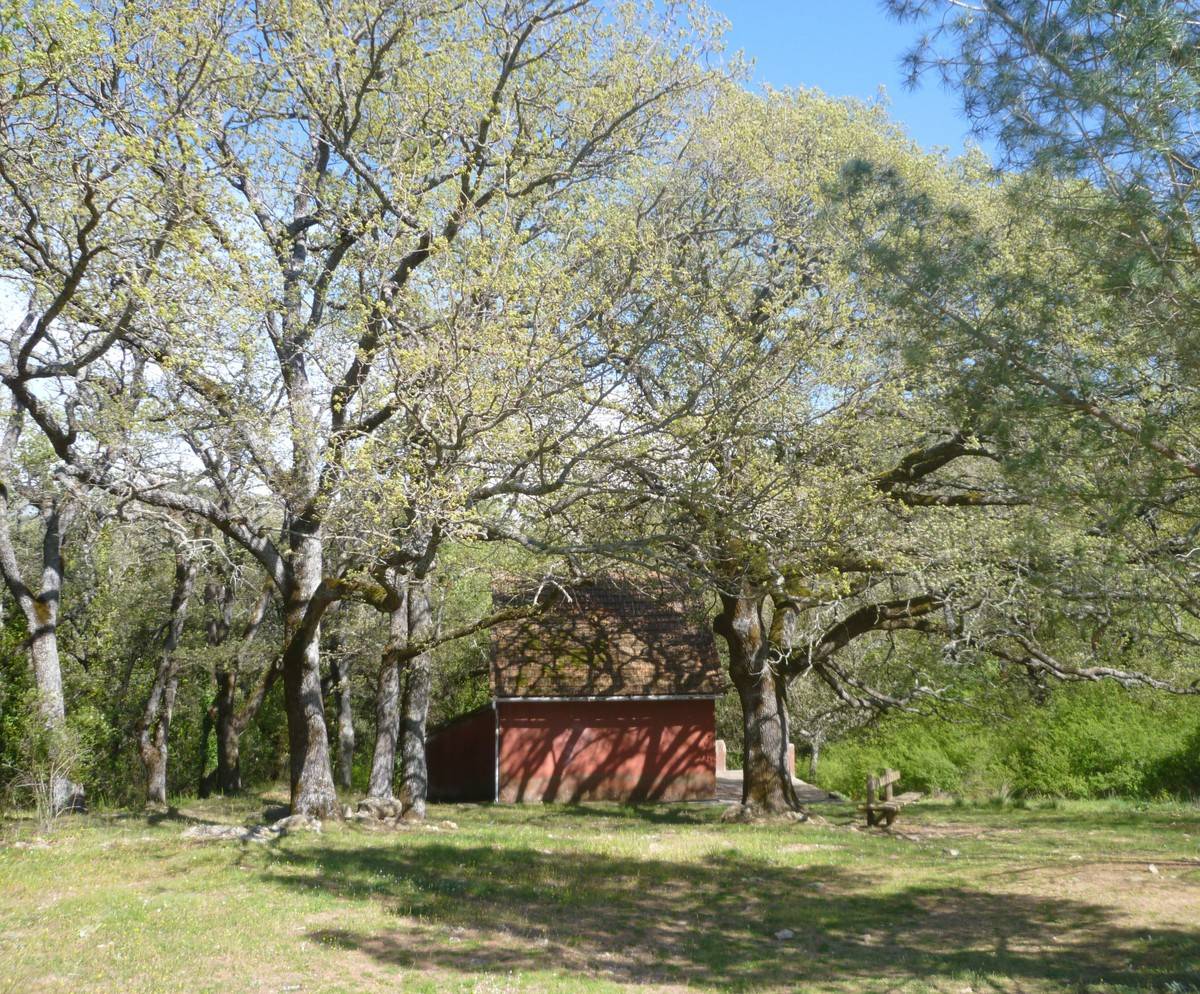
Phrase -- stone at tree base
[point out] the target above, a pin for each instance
(297, 823)
(382, 808)
(785, 933)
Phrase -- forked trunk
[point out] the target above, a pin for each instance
(153, 742)
(766, 781)
(414, 775)
(311, 775)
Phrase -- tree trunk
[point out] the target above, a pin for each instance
(414, 775)
(387, 727)
(814, 757)
(230, 722)
(311, 775)
(206, 781)
(229, 768)
(387, 702)
(345, 723)
(218, 600)
(65, 794)
(153, 739)
(383, 760)
(41, 619)
(226, 776)
(155, 727)
(766, 781)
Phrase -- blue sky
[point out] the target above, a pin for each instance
(847, 48)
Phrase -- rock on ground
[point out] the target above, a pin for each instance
(253, 833)
(382, 808)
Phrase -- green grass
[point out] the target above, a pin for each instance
(1051, 897)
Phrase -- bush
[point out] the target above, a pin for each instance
(1101, 741)
(1178, 774)
(1086, 741)
(45, 775)
(933, 755)
(16, 695)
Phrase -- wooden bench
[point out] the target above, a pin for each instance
(883, 810)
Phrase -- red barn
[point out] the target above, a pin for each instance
(608, 696)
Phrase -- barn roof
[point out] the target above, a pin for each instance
(609, 638)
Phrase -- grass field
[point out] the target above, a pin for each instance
(602, 898)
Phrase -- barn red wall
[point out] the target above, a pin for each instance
(462, 758)
(607, 750)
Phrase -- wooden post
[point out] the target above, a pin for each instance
(721, 768)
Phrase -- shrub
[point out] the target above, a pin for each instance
(1086, 741)
(1098, 741)
(933, 755)
(46, 772)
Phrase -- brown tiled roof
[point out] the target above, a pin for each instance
(611, 638)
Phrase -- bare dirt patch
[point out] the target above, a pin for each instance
(1134, 895)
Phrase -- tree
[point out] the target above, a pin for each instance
(333, 183)
(1105, 94)
(231, 713)
(89, 216)
(154, 729)
(40, 606)
(1063, 299)
(792, 487)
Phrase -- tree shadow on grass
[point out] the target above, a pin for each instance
(1182, 820)
(676, 813)
(712, 922)
(635, 815)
